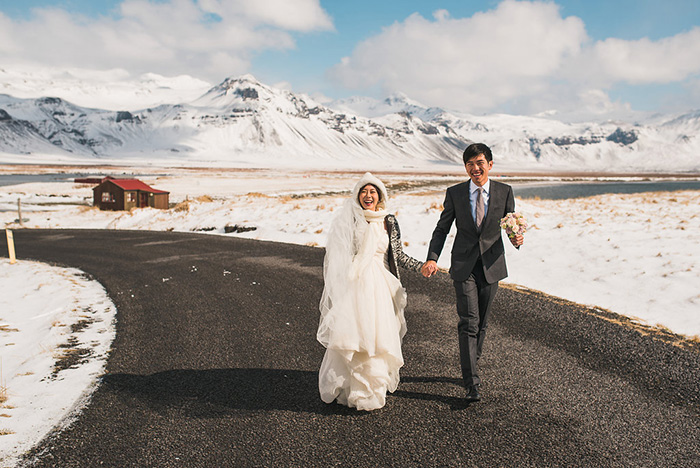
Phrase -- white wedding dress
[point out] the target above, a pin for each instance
(363, 354)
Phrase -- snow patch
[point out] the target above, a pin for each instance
(56, 330)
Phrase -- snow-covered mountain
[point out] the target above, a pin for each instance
(662, 144)
(242, 122)
(110, 89)
(394, 104)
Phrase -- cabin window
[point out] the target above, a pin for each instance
(131, 197)
(107, 197)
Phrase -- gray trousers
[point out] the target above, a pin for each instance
(474, 298)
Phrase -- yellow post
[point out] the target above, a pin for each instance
(19, 211)
(11, 246)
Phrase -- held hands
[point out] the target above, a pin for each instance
(429, 268)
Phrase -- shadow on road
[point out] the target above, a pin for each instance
(219, 392)
(455, 403)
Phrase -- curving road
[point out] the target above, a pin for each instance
(214, 365)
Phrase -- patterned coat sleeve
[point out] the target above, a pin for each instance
(401, 258)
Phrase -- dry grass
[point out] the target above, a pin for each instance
(5, 432)
(256, 195)
(427, 193)
(6, 328)
(204, 199)
(182, 206)
(3, 387)
(656, 332)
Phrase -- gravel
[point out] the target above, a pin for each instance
(215, 364)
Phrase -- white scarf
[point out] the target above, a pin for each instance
(368, 240)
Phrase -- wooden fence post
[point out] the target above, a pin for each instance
(11, 246)
(19, 211)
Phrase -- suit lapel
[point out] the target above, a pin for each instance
(467, 205)
(495, 205)
(496, 201)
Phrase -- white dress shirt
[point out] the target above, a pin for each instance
(474, 192)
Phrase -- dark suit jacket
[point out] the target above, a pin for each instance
(468, 244)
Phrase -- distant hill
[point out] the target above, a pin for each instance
(242, 122)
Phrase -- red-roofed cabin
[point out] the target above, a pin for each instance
(125, 194)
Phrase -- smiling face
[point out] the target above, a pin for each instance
(368, 197)
(478, 169)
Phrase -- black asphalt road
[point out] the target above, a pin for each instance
(214, 365)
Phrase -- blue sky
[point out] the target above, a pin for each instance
(359, 19)
(591, 57)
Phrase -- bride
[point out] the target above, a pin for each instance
(362, 321)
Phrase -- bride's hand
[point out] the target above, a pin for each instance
(429, 268)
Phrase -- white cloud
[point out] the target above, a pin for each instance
(297, 15)
(285, 85)
(575, 104)
(521, 57)
(469, 63)
(693, 87)
(642, 61)
(321, 98)
(210, 38)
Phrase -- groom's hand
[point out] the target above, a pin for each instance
(517, 241)
(429, 268)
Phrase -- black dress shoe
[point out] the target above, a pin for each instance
(473, 393)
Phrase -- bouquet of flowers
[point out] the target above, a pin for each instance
(514, 224)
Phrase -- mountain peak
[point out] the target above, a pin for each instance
(237, 83)
(400, 99)
(233, 89)
(242, 79)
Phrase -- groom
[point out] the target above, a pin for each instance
(478, 255)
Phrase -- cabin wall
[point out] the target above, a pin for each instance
(131, 198)
(160, 201)
(114, 201)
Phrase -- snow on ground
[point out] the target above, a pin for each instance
(637, 255)
(56, 329)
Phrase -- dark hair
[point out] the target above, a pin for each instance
(379, 192)
(474, 150)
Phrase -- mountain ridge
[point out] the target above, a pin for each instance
(243, 122)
